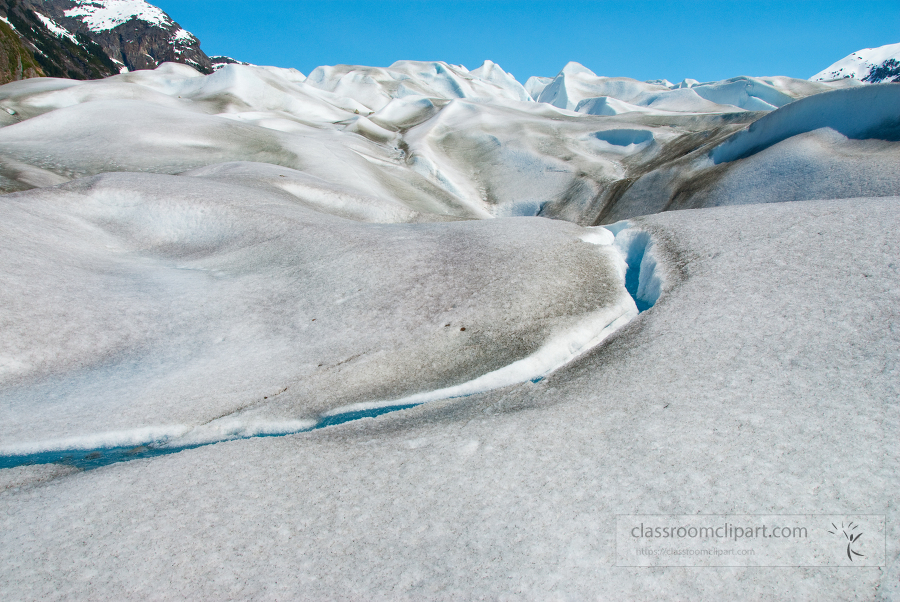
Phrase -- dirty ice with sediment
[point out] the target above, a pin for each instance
(245, 257)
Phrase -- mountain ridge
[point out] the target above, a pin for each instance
(81, 39)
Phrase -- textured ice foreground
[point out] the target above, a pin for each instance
(764, 381)
(189, 259)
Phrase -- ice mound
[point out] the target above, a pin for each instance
(869, 112)
(404, 113)
(841, 143)
(605, 105)
(576, 83)
(148, 301)
(424, 141)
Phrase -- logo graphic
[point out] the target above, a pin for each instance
(851, 534)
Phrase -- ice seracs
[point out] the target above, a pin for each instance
(376, 87)
(579, 89)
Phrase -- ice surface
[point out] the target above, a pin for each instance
(189, 260)
(869, 112)
(535, 85)
(26, 476)
(237, 298)
(763, 381)
(836, 144)
(444, 141)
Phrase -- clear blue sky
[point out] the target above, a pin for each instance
(640, 39)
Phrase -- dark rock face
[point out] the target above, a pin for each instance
(139, 45)
(90, 39)
(74, 56)
(888, 71)
(220, 61)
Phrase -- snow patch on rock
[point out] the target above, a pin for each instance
(56, 29)
(103, 15)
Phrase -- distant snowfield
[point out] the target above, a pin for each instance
(193, 259)
(103, 15)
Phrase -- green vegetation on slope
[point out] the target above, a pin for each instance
(16, 61)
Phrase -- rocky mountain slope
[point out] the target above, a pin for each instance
(16, 59)
(81, 39)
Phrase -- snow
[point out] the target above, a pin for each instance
(219, 62)
(184, 37)
(380, 371)
(55, 28)
(859, 64)
(103, 15)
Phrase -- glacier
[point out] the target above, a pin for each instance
(421, 331)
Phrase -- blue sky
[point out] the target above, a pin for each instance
(641, 39)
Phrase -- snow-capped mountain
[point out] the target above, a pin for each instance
(89, 39)
(870, 65)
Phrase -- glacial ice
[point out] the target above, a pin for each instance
(840, 110)
(191, 263)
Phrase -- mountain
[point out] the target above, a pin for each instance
(870, 65)
(91, 39)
